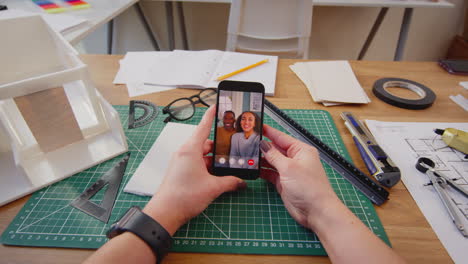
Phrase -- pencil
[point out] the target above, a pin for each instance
(241, 70)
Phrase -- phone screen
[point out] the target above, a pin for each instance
(238, 123)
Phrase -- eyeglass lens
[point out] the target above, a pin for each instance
(184, 108)
(208, 96)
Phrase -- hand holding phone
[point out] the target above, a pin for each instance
(238, 122)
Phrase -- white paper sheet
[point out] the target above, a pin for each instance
(330, 82)
(303, 74)
(150, 174)
(464, 85)
(184, 68)
(460, 100)
(134, 68)
(405, 143)
(233, 61)
(199, 69)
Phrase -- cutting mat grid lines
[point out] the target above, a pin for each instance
(252, 221)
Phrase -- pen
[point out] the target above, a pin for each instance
(241, 70)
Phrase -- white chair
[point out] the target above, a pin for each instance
(270, 26)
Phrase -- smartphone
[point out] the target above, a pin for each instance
(238, 129)
(455, 66)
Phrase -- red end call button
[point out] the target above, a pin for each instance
(250, 162)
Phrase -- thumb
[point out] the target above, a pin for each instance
(273, 156)
(230, 184)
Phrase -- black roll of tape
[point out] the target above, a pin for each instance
(428, 96)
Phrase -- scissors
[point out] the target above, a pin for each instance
(440, 182)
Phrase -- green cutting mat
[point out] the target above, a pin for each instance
(252, 221)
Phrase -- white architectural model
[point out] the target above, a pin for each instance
(53, 122)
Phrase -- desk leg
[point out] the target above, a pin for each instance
(180, 14)
(110, 35)
(146, 25)
(403, 34)
(374, 29)
(170, 25)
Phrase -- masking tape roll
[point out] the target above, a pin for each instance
(380, 90)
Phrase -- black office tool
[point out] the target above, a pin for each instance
(113, 178)
(377, 161)
(455, 66)
(380, 90)
(377, 194)
(150, 113)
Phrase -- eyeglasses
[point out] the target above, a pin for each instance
(184, 108)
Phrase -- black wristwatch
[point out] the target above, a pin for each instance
(146, 228)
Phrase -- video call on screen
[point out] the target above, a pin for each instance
(238, 129)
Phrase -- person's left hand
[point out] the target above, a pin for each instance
(188, 188)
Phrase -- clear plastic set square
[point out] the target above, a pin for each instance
(53, 121)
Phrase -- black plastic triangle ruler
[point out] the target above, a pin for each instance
(112, 178)
(376, 193)
(150, 112)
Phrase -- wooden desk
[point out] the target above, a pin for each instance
(407, 229)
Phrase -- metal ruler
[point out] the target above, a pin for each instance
(113, 178)
(377, 194)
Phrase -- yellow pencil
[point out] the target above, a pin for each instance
(241, 70)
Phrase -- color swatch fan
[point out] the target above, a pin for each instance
(61, 6)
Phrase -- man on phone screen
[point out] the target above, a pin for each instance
(224, 134)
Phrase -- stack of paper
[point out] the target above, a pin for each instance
(133, 70)
(330, 82)
(149, 72)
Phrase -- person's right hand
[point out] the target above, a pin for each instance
(301, 180)
(309, 198)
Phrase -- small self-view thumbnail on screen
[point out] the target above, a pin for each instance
(238, 129)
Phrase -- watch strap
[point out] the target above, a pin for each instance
(146, 228)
